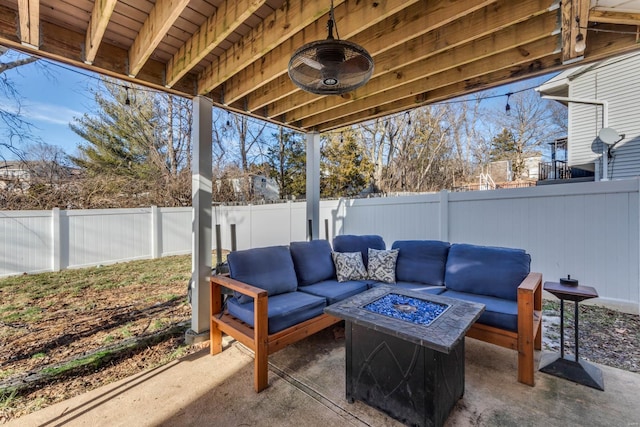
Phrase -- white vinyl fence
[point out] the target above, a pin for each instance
(588, 230)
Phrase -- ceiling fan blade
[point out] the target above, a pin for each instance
(357, 64)
(311, 62)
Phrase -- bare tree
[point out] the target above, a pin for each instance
(532, 122)
(15, 127)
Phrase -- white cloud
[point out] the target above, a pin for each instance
(49, 113)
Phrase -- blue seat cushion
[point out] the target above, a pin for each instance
(312, 261)
(335, 291)
(269, 268)
(486, 270)
(283, 310)
(352, 243)
(421, 261)
(500, 313)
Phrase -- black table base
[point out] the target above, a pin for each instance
(575, 370)
(580, 372)
(414, 384)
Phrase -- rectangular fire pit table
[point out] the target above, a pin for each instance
(412, 369)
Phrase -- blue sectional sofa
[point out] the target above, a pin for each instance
(281, 292)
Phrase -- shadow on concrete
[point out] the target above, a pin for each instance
(306, 388)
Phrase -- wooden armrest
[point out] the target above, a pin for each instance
(238, 286)
(531, 283)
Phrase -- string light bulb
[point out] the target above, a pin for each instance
(580, 45)
(507, 107)
(127, 101)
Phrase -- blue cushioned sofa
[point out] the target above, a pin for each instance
(280, 293)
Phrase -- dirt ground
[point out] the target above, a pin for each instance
(111, 339)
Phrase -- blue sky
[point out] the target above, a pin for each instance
(50, 102)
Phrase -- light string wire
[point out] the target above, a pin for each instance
(391, 116)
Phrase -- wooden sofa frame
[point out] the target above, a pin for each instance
(257, 339)
(528, 337)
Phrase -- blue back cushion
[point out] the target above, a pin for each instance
(352, 243)
(421, 261)
(312, 261)
(486, 270)
(269, 268)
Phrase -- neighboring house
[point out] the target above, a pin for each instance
(14, 175)
(20, 175)
(617, 82)
(260, 187)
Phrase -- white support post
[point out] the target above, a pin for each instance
(444, 215)
(156, 238)
(313, 185)
(56, 244)
(201, 177)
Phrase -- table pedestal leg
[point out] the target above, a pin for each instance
(578, 371)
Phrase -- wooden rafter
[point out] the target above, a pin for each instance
(612, 17)
(100, 16)
(237, 52)
(229, 16)
(508, 40)
(487, 81)
(441, 78)
(575, 18)
(291, 18)
(439, 41)
(29, 22)
(352, 19)
(160, 20)
(419, 19)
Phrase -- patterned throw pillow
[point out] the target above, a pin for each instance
(382, 265)
(349, 266)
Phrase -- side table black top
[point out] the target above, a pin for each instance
(576, 370)
(570, 293)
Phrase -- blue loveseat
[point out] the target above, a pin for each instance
(280, 292)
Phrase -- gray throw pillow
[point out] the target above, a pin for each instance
(382, 265)
(349, 266)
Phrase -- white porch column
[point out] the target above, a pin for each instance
(313, 185)
(201, 175)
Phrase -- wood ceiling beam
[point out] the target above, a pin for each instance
(436, 49)
(602, 46)
(508, 39)
(29, 14)
(613, 17)
(384, 30)
(533, 68)
(100, 16)
(575, 18)
(158, 23)
(274, 30)
(488, 64)
(66, 46)
(226, 19)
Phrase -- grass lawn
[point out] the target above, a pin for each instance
(67, 332)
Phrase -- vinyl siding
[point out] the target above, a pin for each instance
(617, 81)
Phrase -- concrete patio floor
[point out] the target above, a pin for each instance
(307, 388)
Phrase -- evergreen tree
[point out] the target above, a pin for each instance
(344, 167)
(503, 146)
(138, 142)
(287, 163)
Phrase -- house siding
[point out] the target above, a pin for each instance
(617, 81)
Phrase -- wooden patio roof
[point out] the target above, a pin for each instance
(236, 51)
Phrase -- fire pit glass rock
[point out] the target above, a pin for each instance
(406, 308)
